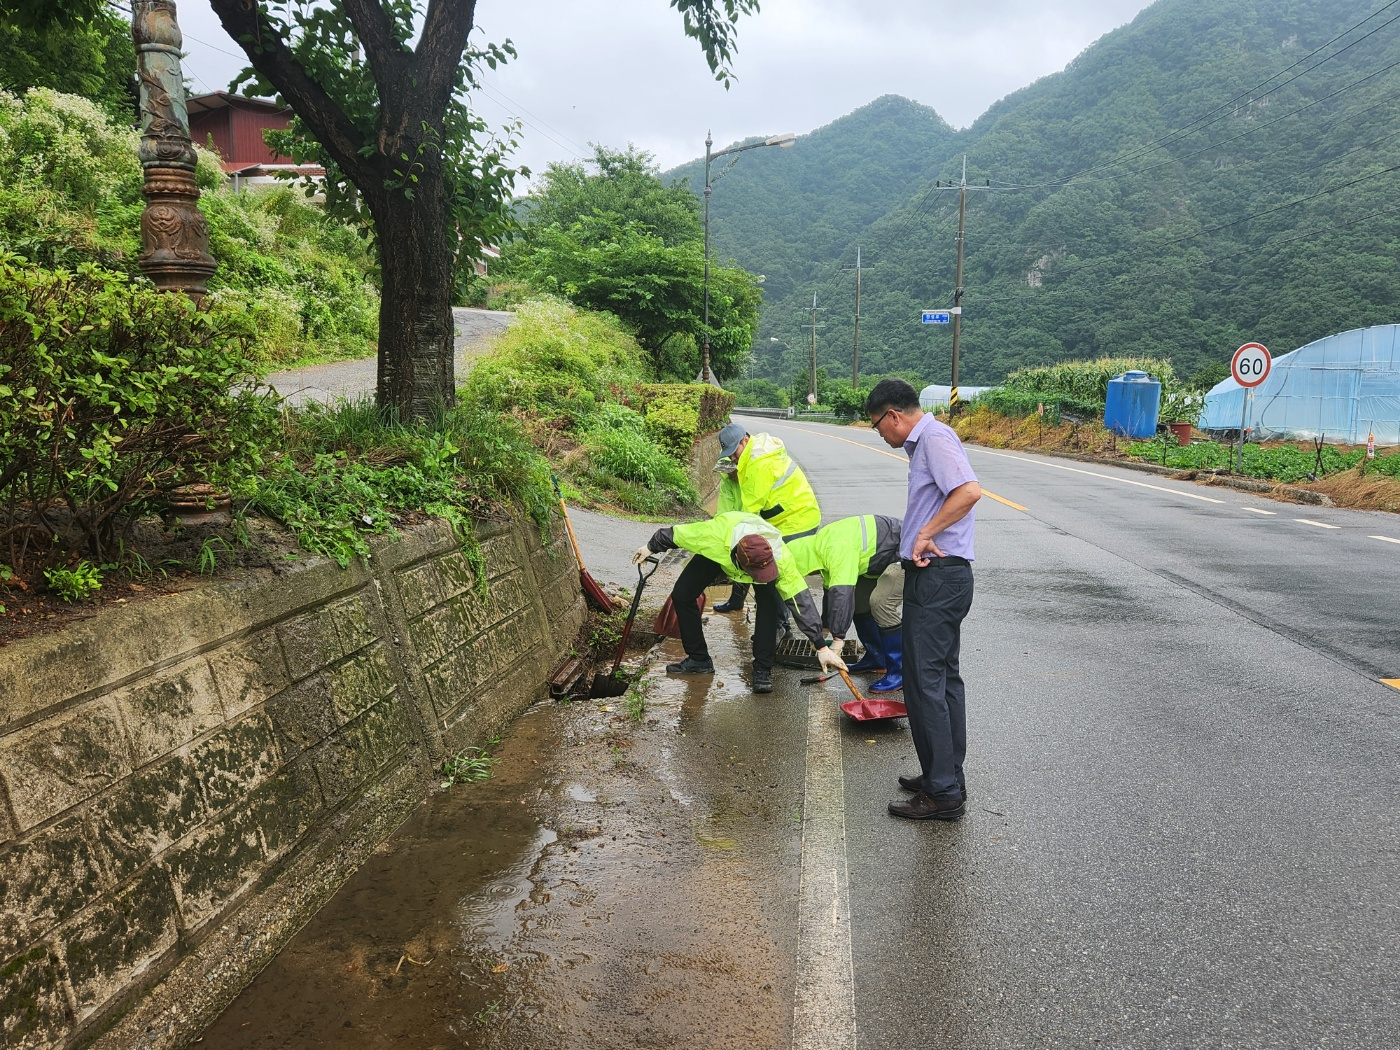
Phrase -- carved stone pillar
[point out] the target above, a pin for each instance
(174, 237)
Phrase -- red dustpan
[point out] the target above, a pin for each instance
(870, 709)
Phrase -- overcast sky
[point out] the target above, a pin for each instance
(620, 71)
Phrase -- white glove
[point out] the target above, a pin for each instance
(830, 659)
(642, 554)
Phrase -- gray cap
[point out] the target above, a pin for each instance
(729, 437)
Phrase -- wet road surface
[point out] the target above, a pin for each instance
(1182, 829)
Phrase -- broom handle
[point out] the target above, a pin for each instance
(849, 684)
(578, 557)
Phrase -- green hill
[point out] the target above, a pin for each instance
(1214, 172)
(785, 213)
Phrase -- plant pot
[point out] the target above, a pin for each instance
(1182, 432)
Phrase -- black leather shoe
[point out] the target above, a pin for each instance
(728, 607)
(762, 683)
(917, 784)
(691, 666)
(921, 807)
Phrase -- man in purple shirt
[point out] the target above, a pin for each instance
(936, 550)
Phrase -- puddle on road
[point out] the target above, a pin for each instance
(614, 884)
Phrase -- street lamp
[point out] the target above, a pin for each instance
(783, 141)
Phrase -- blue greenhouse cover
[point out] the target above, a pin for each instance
(1342, 388)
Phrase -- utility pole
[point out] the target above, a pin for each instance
(812, 367)
(958, 278)
(855, 351)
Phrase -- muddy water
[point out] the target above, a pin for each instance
(616, 883)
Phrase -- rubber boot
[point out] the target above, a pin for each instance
(868, 631)
(893, 642)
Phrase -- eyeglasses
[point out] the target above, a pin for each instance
(876, 425)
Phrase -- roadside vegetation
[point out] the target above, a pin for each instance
(70, 193)
(1060, 409)
(578, 384)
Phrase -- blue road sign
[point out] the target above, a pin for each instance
(937, 317)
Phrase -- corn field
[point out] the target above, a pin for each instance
(1086, 381)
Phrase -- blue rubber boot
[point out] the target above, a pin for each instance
(868, 631)
(893, 642)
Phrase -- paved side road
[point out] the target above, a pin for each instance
(474, 331)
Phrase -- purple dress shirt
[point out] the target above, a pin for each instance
(937, 465)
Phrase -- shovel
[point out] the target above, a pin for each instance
(609, 684)
(592, 590)
(869, 709)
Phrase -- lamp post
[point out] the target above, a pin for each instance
(174, 238)
(783, 141)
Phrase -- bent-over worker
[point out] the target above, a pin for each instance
(858, 559)
(769, 483)
(744, 548)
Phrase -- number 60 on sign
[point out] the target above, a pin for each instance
(1250, 365)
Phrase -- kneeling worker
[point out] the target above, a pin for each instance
(746, 549)
(864, 579)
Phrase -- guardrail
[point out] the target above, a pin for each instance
(770, 413)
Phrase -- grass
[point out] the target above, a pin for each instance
(346, 472)
(471, 765)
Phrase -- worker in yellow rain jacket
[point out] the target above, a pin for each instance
(767, 483)
(744, 548)
(858, 559)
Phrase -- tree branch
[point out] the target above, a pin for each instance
(445, 31)
(268, 52)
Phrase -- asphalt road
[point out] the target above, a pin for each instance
(1183, 821)
(473, 331)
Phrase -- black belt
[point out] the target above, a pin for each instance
(952, 559)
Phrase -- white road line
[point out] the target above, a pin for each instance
(1318, 524)
(1385, 539)
(824, 1006)
(1092, 474)
(1256, 510)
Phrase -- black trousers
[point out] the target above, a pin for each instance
(936, 600)
(700, 572)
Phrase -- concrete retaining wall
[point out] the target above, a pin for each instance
(184, 781)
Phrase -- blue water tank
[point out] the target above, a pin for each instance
(1131, 408)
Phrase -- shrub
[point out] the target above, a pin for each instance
(630, 457)
(70, 192)
(555, 361)
(672, 426)
(112, 395)
(760, 393)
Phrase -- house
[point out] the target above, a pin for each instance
(233, 126)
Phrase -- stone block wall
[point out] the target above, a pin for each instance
(182, 782)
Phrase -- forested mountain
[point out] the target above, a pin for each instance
(1216, 171)
(785, 213)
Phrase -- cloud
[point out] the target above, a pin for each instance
(619, 71)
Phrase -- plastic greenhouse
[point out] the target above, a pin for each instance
(1342, 388)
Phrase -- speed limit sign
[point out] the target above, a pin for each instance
(1250, 365)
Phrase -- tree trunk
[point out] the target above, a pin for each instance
(415, 313)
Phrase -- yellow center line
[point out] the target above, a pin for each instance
(1394, 683)
(882, 452)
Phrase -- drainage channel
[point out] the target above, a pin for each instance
(628, 876)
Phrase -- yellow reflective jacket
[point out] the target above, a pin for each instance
(730, 498)
(843, 552)
(772, 486)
